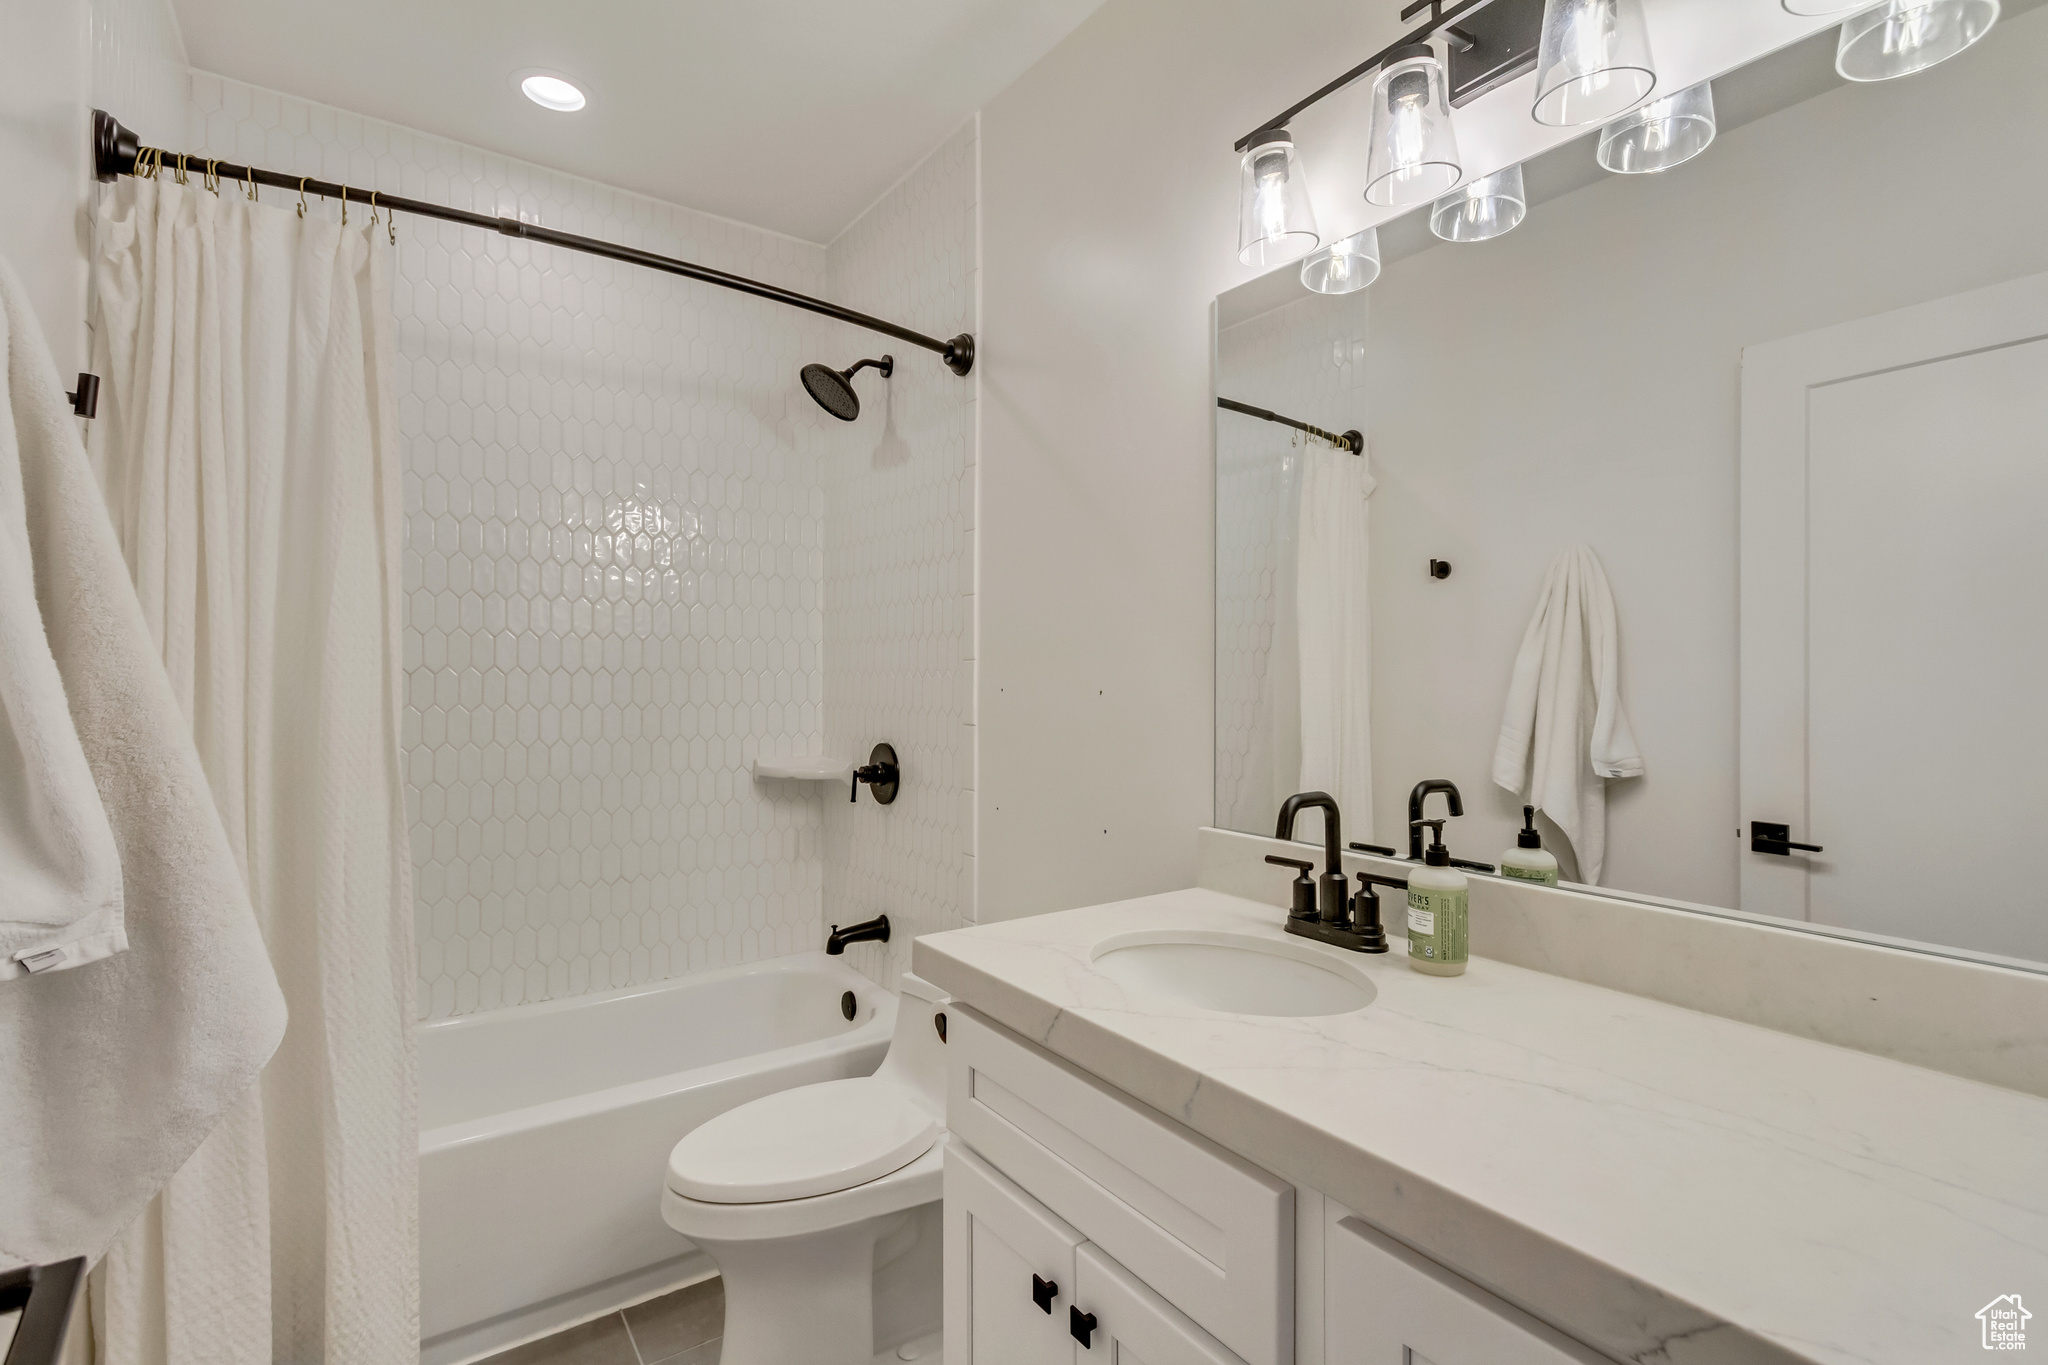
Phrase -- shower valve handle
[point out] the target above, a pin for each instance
(881, 773)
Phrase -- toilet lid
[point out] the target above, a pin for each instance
(812, 1140)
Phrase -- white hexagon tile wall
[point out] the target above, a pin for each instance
(900, 489)
(615, 564)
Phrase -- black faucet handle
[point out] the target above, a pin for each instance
(1303, 887)
(1365, 912)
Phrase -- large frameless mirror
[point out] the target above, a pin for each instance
(1704, 510)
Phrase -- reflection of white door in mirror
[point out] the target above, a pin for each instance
(1894, 639)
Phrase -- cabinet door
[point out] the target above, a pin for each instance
(1115, 1320)
(1386, 1305)
(1009, 1270)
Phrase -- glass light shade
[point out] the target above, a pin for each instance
(1901, 37)
(1414, 154)
(1661, 134)
(1489, 207)
(1593, 61)
(1342, 267)
(1275, 221)
(1823, 6)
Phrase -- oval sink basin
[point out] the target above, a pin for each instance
(1233, 973)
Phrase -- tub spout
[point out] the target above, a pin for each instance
(876, 928)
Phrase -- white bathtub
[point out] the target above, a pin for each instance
(544, 1131)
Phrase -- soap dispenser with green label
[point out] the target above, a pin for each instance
(1528, 861)
(1439, 917)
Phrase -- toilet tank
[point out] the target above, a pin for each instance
(917, 1054)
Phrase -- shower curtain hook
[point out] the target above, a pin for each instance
(181, 170)
(302, 196)
(210, 178)
(249, 183)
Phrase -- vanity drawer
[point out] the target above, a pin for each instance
(1211, 1233)
(1387, 1304)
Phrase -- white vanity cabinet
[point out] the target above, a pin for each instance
(1024, 1288)
(1383, 1304)
(1173, 1241)
(1085, 1228)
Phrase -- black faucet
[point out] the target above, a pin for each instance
(1325, 913)
(876, 928)
(1457, 807)
(1332, 892)
(1415, 800)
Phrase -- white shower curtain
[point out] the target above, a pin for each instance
(247, 442)
(1333, 615)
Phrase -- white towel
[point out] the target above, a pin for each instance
(1334, 629)
(60, 874)
(1564, 732)
(112, 1073)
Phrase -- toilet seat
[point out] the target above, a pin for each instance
(802, 1143)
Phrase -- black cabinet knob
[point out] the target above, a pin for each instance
(1043, 1292)
(1082, 1326)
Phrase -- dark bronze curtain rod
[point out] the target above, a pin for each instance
(1353, 440)
(115, 150)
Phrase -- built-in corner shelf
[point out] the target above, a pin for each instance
(802, 769)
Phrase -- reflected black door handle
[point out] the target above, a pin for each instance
(1043, 1292)
(1082, 1326)
(1765, 837)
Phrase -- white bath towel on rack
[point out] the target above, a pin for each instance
(60, 873)
(112, 1073)
(1564, 733)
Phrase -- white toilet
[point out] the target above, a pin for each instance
(806, 1197)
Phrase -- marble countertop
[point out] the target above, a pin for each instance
(1665, 1185)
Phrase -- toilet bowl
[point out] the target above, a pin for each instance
(803, 1196)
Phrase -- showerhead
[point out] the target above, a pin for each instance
(833, 389)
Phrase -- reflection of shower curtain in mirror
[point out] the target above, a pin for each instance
(1333, 616)
(1258, 696)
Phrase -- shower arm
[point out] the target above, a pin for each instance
(116, 150)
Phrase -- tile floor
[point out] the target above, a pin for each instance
(676, 1329)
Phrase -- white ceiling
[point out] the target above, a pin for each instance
(792, 115)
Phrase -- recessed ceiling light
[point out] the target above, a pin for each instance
(552, 92)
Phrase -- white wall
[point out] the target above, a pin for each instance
(1109, 193)
(43, 93)
(59, 58)
(1579, 380)
(899, 564)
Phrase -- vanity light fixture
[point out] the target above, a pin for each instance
(1344, 267)
(1900, 37)
(1414, 149)
(1662, 134)
(552, 92)
(1489, 207)
(1275, 221)
(1593, 63)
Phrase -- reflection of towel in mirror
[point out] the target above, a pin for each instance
(1564, 732)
